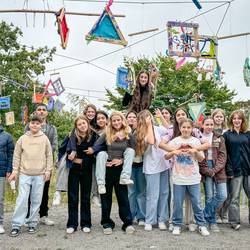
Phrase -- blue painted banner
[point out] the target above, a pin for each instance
(5, 102)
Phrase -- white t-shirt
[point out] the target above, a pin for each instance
(153, 158)
(186, 168)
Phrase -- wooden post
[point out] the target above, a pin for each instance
(143, 32)
(53, 12)
(232, 36)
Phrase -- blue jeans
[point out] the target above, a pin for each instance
(216, 194)
(33, 186)
(179, 195)
(137, 194)
(101, 160)
(157, 191)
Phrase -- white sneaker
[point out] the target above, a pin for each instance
(130, 229)
(107, 230)
(192, 227)
(57, 198)
(170, 227)
(162, 226)
(203, 231)
(101, 189)
(2, 231)
(126, 181)
(70, 230)
(96, 201)
(141, 223)
(86, 230)
(46, 221)
(176, 230)
(214, 228)
(148, 227)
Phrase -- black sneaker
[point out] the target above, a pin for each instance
(14, 232)
(32, 230)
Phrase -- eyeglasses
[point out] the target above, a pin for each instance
(41, 110)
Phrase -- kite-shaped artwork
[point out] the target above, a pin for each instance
(196, 109)
(183, 39)
(246, 72)
(63, 29)
(208, 46)
(5, 102)
(106, 30)
(58, 86)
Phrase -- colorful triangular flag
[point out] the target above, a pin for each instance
(196, 109)
(106, 30)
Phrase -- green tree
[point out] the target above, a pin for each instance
(175, 87)
(21, 65)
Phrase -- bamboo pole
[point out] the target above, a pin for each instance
(143, 32)
(232, 36)
(53, 12)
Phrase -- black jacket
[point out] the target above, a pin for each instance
(238, 153)
(6, 152)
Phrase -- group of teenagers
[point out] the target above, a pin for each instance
(152, 166)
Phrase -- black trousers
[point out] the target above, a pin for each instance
(79, 177)
(44, 205)
(121, 192)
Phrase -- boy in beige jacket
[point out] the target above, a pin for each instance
(33, 162)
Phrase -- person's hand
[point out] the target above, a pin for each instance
(8, 175)
(148, 120)
(158, 113)
(72, 155)
(192, 151)
(46, 177)
(117, 162)
(177, 152)
(153, 71)
(89, 151)
(12, 177)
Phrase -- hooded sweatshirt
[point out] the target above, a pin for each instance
(33, 154)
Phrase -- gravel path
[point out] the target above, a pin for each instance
(55, 238)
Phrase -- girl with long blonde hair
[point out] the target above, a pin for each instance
(115, 170)
(155, 168)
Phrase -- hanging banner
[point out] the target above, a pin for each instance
(5, 102)
(51, 103)
(246, 72)
(58, 105)
(196, 109)
(122, 78)
(25, 114)
(63, 29)
(9, 118)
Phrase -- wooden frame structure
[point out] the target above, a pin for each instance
(182, 43)
(95, 32)
(212, 44)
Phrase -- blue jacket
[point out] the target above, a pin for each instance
(6, 152)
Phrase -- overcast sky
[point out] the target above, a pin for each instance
(232, 52)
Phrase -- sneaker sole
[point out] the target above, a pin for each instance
(31, 232)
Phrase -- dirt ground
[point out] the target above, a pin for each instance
(55, 237)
